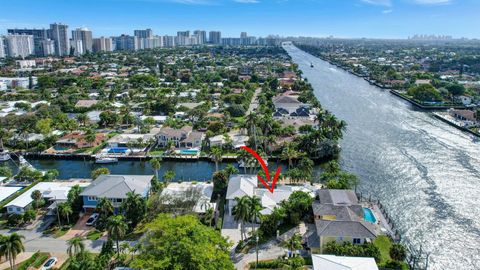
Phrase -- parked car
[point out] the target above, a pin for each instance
(50, 263)
(92, 219)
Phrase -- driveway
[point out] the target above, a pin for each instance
(79, 229)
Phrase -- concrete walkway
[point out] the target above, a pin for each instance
(254, 104)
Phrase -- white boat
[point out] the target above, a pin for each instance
(4, 155)
(105, 160)
(254, 164)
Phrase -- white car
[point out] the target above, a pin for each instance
(50, 263)
(92, 219)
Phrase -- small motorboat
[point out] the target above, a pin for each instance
(250, 164)
(105, 160)
(311, 65)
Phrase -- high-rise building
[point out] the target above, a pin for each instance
(2, 48)
(147, 33)
(152, 42)
(38, 36)
(102, 44)
(243, 35)
(126, 43)
(215, 37)
(19, 45)
(183, 33)
(59, 34)
(168, 41)
(201, 36)
(85, 36)
(47, 46)
(77, 46)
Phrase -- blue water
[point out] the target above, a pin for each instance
(368, 215)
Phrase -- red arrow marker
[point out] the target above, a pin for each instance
(265, 169)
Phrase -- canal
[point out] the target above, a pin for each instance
(424, 171)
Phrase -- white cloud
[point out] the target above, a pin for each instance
(387, 11)
(386, 3)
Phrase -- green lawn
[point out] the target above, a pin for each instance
(383, 243)
(94, 235)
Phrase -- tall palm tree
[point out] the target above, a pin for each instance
(75, 246)
(216, 154)
(155, 163)
(294, 243)
(11, 246)
(289, 153)
(240, 213)
(65, 210)
(254, 208)
(117, 229)
(105, 207)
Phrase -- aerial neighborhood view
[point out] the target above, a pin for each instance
(326, 135)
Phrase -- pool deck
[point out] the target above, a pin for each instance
(383, 222)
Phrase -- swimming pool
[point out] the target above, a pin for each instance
(368, 215)
(58, 148)
(189, 152)
(118, 150)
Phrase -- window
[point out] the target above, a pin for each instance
(92, 198)
(10, 209)
(357, 241)
(19, 209)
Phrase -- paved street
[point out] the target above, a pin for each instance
(35, 240)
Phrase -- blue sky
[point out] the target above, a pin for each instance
(340, 18)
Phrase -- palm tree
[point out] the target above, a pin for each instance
(230, 170)
(168, 176)
(75, 246)
(90, 136)
(117, 229)
(294, 243)
(289, 153)
(155, 163)
(240, 212)
(105, 207)
(65, 210)
(11, 246)
(216, 154)
(254, 208)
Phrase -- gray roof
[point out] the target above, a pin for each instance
(336, 228)
(117, 186)
(341, 212)
(337, 196)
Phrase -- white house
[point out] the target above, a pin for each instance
(247, 185)
(205, 191)
(53, 191)
(6, 192)
(332, 262)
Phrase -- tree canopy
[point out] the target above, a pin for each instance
(182, 243)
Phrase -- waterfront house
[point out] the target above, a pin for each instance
(183, 137)
(137, 141)
(54, 192)
(288, 103)
(341, 218)
(114, 188)
(332, 262)
(464, 115)
(77, 140)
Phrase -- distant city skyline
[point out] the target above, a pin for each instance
(316, 18)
